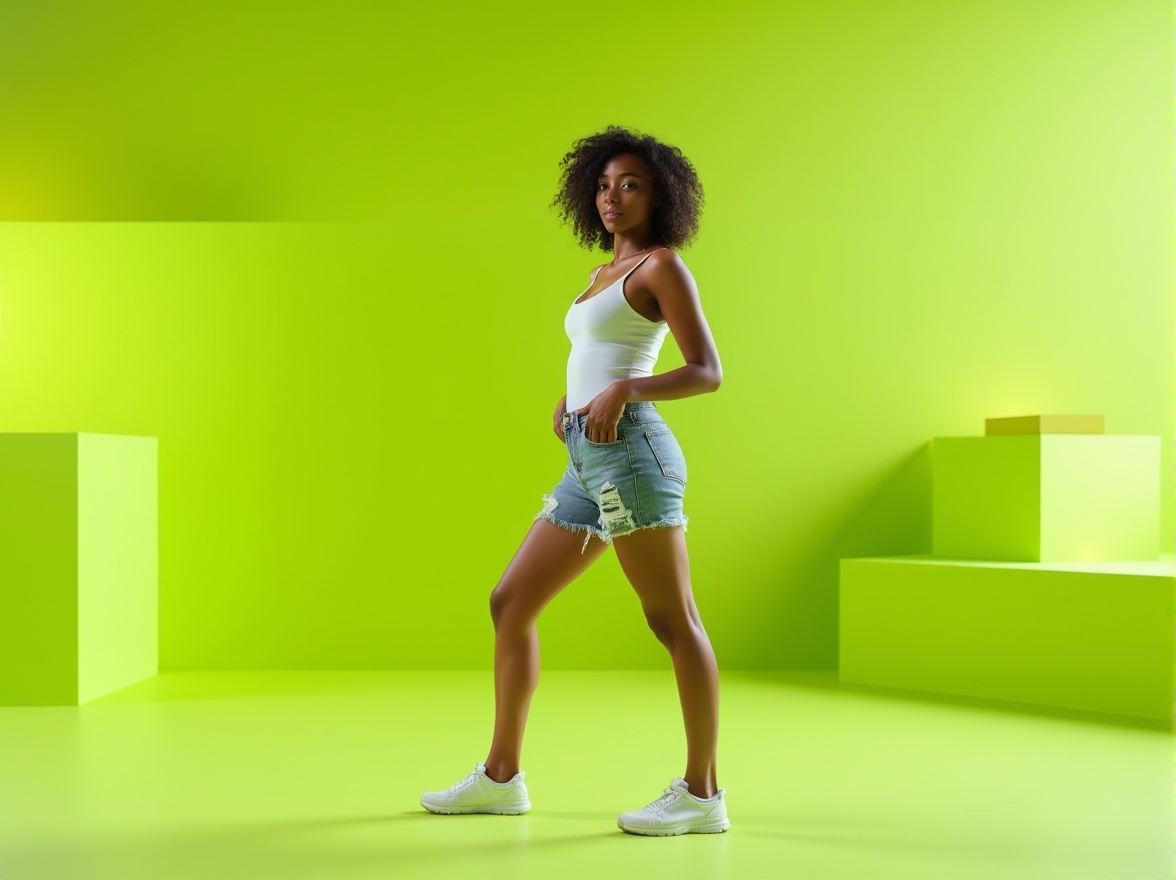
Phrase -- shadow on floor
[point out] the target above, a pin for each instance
(828, 680)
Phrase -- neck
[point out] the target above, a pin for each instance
(623, 248)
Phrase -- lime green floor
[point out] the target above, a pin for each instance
(317, 774)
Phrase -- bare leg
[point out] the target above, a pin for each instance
(547, 561)
(657, 565)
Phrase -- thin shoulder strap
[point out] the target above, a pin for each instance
(643, 259)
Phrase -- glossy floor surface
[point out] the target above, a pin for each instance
(318, 774)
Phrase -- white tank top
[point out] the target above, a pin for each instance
(610, 341)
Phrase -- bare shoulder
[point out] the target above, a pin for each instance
(667, 269)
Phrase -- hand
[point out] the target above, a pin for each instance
(604, 411)
(557, 418)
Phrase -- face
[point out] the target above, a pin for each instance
(624, 194)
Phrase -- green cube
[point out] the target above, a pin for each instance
(79, 602)
(1046, 498)
(1093, 636)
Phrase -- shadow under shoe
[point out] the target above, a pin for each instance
(478, 793)
(678, 812)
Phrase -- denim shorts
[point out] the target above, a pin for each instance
(611, 489)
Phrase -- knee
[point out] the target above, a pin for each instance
(505, 606)
(669, 625)
(499, 600)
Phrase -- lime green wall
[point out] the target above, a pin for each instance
(919, 215)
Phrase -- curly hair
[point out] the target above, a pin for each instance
(675, 219)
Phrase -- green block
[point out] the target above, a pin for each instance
(79, 591)
(1090, 636)
(1048, 498)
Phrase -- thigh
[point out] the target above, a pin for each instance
(570, 507)
(548, 560)
(657, 565)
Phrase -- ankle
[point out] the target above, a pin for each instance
(704, 792)
(500, 772)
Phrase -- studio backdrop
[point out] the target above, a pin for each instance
(308, 246)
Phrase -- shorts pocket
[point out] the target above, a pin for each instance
(618, 443)
(668, 454)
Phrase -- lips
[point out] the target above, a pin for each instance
(609, 215)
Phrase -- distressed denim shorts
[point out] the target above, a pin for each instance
(611, 489)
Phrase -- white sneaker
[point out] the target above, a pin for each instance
(478, 793)
(678, 812)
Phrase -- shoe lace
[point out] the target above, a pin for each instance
(662, 803)
(464, 783)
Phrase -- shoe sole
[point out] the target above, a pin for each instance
(674, 830)
(514, 810)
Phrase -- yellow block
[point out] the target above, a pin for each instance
(1046, 425)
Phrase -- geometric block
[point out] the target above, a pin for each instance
(1046, 425)
(1051, 498)
(1091, 636)
(79, 603)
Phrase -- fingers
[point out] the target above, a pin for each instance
(557, 419)
(604, 435)
(594, 431)
(600, 434)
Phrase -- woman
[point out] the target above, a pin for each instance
(638, 198)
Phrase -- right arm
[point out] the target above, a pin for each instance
(557, 418)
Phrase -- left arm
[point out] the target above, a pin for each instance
(670, 284)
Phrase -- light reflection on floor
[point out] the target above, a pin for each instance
(317, 775)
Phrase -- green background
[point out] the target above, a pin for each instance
(308, 247)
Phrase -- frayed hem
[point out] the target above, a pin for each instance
(667, 524)
(588, 531)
